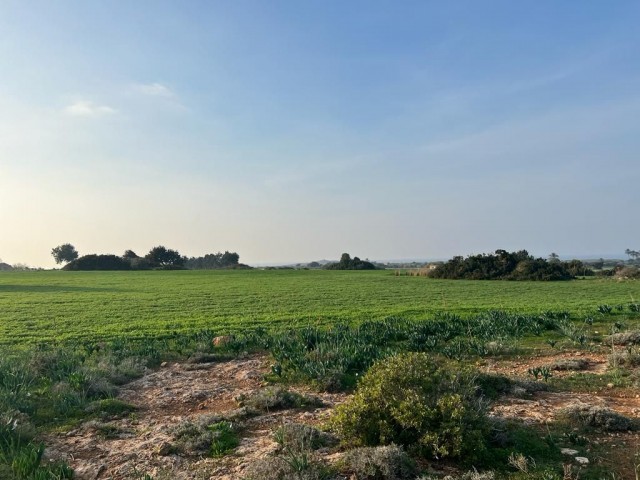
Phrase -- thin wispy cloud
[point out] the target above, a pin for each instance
(154, 90)
(85, 108)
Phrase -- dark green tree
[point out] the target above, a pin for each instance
(64, 253)
(165, 258)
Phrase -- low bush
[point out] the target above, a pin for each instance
(277, 398)
(471, 475)
(570, 364)
(225, 438)
(598, 417)
(293, 466)
(631, 337)
(214, 435)
(110, 408)
(299, 437)
(389, 462)
(418, 401)
(627, 273)
(628, 358)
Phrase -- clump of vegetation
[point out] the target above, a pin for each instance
(225, 438)
(110, 408)
(277, 398)
(418, 401)
(292, 466)
(348, 263)
(388, 462)
(626, 273)
(334, 358)
(471, 475)
(299, 437)
(598, 417)
(631, 337)
(98, 262)
(627, 358)
(20, 458)
(106, 430)
(505, 265)
(206, 435)
(566, 364)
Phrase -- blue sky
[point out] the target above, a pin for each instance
(294, 131)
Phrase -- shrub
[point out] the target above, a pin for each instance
(570, 364)
(625, 338)
(209, 434)
(472, 475)
(277, 398)
(293, 466)
(598, 417)
(379, 463)
(628, 358)
(627, 272)
(417, 401)
(298, 437)
(225, 438)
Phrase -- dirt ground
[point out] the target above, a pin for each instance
(178, 392)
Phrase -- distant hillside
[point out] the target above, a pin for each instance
(5, 267)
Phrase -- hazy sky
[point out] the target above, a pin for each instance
(298, 130)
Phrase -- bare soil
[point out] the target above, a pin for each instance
(179, 392)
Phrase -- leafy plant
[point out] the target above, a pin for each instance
(224, 439)
(417, 401)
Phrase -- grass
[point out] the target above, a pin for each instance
(49, 306)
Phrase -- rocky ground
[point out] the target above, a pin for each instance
(137, 444)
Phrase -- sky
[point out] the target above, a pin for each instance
(293, 131)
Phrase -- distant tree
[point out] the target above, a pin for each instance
(130, 254)
(345, 261)
(98, 262)
(165, 258)
(212, 261)
(5, 267)
(348, 263)
(314, 265)
(633, 254)
(64, 253)
(554, 257)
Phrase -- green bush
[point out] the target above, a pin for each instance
(418, 401)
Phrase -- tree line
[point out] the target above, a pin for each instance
(158, 258)
(503, 265)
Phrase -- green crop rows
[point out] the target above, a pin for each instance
(45, 306)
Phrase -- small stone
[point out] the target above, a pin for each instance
(582, 460)
(163, 364)
(568, 451)
(609, 385)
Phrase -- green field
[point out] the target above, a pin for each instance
(42, 306)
